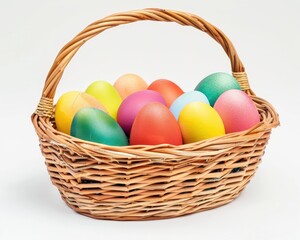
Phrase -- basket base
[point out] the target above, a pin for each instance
(148, 215)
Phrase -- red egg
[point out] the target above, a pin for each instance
(155, 124)
(237, 111)
(169, 90)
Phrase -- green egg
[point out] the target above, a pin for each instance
(94, 125)
(215, 84)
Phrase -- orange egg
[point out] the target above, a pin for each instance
(155, 124)
(129, 83)
(69, 104)
(169, 90)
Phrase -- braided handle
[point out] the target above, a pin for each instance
(182, 18)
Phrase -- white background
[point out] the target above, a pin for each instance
(266, 35)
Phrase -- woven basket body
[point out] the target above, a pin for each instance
(149, 182)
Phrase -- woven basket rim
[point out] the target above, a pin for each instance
(271, 120)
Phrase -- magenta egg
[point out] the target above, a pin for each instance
(237, 110)
(132, 104)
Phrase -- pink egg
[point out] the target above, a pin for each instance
(131, 105)
(237, 111)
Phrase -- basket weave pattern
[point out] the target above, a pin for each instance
(149, 182)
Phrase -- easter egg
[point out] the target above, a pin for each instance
(107, 95)
(169, 90)
(184, 99)
(70, 103)
(131, 105)
(155, 124)
(237, 111)
(94, 125)
(215, 84)
(129, 83)
(199, 121)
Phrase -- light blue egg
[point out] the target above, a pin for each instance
(184, 99)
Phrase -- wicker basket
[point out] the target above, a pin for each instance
(149, 182)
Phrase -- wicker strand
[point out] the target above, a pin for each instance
(242, 79)
(45, 107)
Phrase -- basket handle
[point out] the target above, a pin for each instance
(45, 107)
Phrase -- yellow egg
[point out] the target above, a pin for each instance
(199, 121)
(107, 95)
(129, 83)
(68, 105)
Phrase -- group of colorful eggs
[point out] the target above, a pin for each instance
(132, 113)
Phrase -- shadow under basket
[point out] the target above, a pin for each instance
(149, 182)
